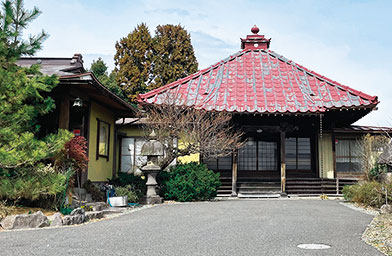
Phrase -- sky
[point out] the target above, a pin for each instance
(347, 41)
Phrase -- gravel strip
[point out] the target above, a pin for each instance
(370, 211)
(379, 233)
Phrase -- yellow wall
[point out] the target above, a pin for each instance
(189, 158)
(130, 130)
(134, 131)
(326, 156)
(101, 169)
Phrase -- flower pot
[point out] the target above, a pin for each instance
(118, 201)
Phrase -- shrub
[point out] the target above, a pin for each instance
(376, 171)
(95, 192)
(188, 182)
(42, 187)
(369, 193)
(129, 191)
(124, 179)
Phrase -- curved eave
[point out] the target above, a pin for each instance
(97, 84)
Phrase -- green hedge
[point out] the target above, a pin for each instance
(369, 193)
(189, 182)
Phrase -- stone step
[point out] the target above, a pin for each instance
(258, 184)
(223, 195)
(271, 195)
(259, 191)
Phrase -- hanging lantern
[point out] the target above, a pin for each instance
(78, 102)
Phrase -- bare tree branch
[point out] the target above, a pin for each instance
(208, 133)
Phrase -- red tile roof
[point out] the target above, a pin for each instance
(259, 81)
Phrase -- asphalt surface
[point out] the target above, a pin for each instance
(235, 227)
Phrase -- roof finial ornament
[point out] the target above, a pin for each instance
(255, 29)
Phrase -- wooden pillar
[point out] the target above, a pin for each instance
(64, 113)
(234, 174)
(283, 161)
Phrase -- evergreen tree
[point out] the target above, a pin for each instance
(144, 63)
(133, 62)
(100, 70)
(21, 93)
(173, 53)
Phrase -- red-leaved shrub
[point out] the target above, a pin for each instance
(76, 150)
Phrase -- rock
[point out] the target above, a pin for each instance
(75, 219)
(386, 209)
(57, 220)
(89, 198)
(94, 215)
(77, 211)
(79, 191)
(77, 216)
(35, 220)
(98, 206)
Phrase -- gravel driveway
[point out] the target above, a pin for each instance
(234, 227)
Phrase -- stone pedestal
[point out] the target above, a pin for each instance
(152, 149)
(151, 197)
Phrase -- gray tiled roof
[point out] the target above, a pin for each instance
(55, 66)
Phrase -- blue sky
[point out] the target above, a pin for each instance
(347, 41)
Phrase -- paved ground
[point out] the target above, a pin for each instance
(253, 227)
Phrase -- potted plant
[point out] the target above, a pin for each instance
(123, 195)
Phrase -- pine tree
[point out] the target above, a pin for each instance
(21, 93)
(133, 61)
(173, 55)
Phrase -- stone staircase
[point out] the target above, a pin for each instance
(317, 186)
(225, 188)
(259, 189)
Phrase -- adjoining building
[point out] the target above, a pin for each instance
(85, 107)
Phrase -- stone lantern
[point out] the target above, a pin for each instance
(152, 149)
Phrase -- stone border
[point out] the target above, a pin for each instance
(106, 217)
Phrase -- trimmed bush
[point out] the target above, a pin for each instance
(369, 193)
(189, 182)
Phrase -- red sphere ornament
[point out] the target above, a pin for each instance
(255, 29)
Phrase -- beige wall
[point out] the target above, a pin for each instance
(326, 165)
(130, 130)
(134, 131)
(100, 169)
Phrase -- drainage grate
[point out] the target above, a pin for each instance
(314, 246)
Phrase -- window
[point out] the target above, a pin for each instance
(103, 138)
(247, 156)
(267, 156)
(219, 164)
(258, 156)
(298, 154)
(131, 158)
(347, 156)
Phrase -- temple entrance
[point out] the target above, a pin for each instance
(258, 158)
